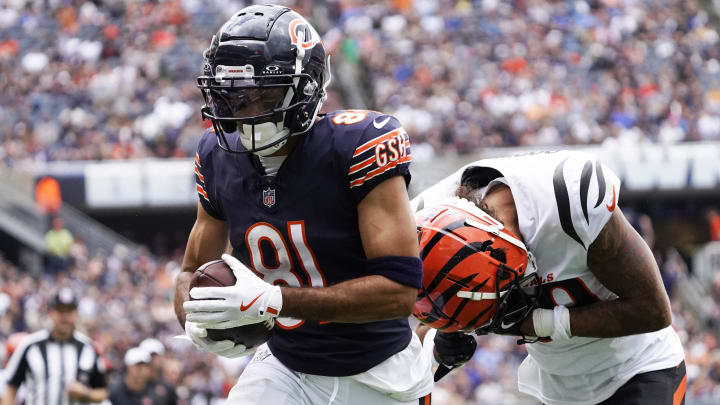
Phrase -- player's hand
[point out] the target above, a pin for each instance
(517, 319)
(225, 348)
(250, 300)
(510, 328)
(454, 349)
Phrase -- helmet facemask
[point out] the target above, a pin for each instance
(265, 131)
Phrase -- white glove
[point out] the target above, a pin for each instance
(225, 348)
(250, 300)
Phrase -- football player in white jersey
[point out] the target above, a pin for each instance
(601, 323)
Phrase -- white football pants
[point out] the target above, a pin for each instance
(404, 378)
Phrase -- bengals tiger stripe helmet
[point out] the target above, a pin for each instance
(473, 270)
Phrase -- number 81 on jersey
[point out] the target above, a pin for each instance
(282, 271)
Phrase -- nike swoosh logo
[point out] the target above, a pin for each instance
(381, 124)
(611, 207)
(245, 307)
(505, 326)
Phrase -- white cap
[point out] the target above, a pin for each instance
(152, 346)
(135, 356)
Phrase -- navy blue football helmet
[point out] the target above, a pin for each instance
(264, 79)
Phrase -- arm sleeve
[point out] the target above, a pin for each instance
(204, 176)
(597, 189)
(17, 367)
(380, 153)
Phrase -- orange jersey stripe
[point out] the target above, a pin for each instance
(197, 160)
(202, 192)
(359, 166)
(379, 171)
(382, 138)
(200, 176)
(367, 162)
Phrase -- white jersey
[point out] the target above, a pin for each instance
(563, 200)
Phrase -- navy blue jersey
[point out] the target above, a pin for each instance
(300, 228)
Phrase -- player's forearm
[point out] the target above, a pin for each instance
(607, 319)
(617, 318)
(365, 299)
(182, 294)
(623, 263)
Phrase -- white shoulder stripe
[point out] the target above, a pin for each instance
(19, 352)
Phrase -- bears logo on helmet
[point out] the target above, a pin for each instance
(473, 269)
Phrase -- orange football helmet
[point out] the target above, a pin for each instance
(473, 270)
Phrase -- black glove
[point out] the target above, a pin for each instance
(510, 315)
(453, 350)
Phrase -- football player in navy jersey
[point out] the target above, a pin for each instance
(321, 232)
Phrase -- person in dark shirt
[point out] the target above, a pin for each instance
(136, 387)
(159, 384)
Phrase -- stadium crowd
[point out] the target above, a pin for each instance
(115, 80)
(464, 75)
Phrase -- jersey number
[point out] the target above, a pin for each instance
(570, 293)
(349, 117)
(281, 270)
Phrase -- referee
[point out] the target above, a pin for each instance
(57, 366)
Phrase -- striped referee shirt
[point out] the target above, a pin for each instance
(47, 366)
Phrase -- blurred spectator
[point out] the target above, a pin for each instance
(69, 361)
(47, 195)
(713, 218)
(134, 388)
(59, 240)
(158, 384)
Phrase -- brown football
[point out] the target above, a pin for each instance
(218, 274)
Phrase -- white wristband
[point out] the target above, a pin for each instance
(543, 322)
(561, 323)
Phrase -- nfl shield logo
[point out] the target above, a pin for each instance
(269, 197)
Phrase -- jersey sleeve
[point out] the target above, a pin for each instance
(17, 367)
(204, 175)
(97, 374)
(586, 192)
(382, 152)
